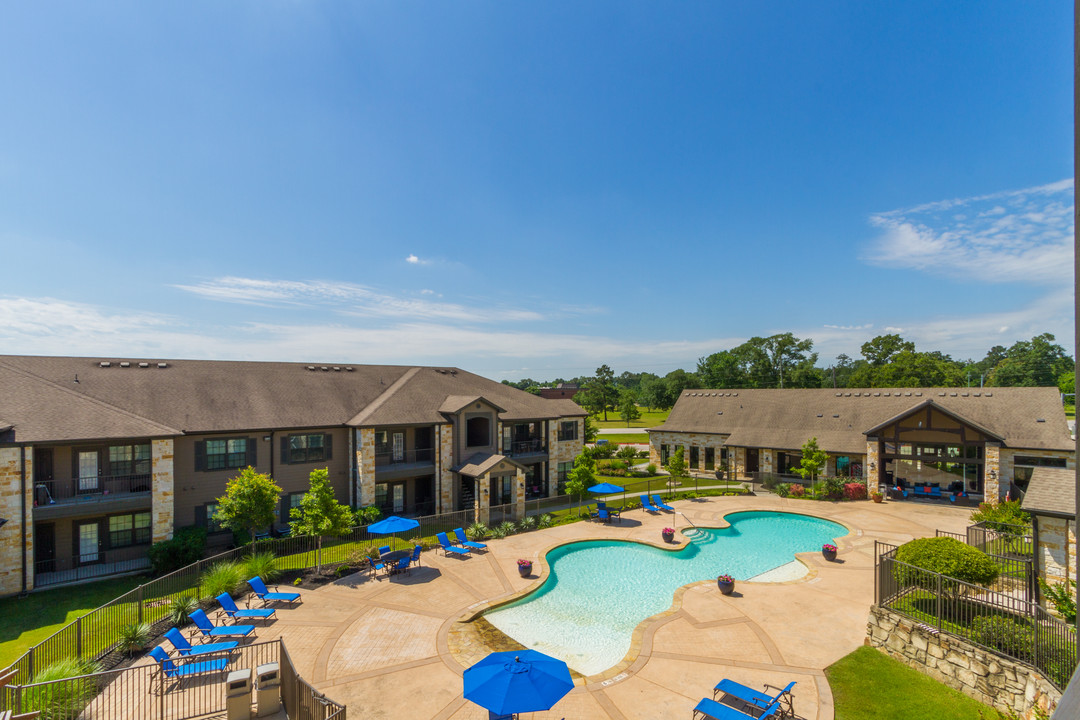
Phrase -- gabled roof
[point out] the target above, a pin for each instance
(1051, 491)
(785, 419)
(481, 462)
(40, 398)
(930, 403)
(456, 403)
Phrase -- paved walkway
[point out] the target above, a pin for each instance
(397, 649)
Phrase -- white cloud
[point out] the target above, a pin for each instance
(348, 299)
(412, 260)
(1021, 236)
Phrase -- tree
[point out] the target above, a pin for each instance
(627, 454)
(884, 348)
(721, 370)
(319, 513)
(590, 432)
(249, 502)
(604, 388)
(628, 409)
(1035, 363)
(679, 380)
(581, 476)
(590, 399)
(813, 460)
(654, 394)
(676, 467)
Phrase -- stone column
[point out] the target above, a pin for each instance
(738, 459)
(519, 494)
(872, 469)
(161, 511)
(655, 441)
(365, 466)
(482, 498)
(555, 456)
(992, 472)
(446, 462)
(16, 541)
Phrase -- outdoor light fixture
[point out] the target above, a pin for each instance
(993, 474)
(3, 521)
(873, 465)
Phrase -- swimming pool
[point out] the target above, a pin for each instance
(598, 591)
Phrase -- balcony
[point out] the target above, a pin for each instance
(533, 446)
(82, 568)
(75, 495)
(402, 464)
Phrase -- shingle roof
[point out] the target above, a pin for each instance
(1051, 490)
(40, 398)
(785, 419)
(479, 463)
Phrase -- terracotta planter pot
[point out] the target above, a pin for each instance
(726, 587)
(877, 498)
(525, 570)
(829, 555)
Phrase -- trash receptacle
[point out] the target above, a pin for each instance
(238, 695)
(267, 690)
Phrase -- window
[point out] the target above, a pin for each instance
(710, 455)
(568, 430)
(212, 523)
(694, 457)
(288, 502)
(127, 530)
(478, 431)
(305, 448)
(224, 454)
(1040, 461)
(129, 459)
(382, 442)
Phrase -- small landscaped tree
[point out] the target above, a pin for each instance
(581, 476)
(813, 460)
(627, 454)
(249, 502)
(319, 513)
(676, 466)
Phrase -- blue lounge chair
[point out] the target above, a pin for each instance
(444, 543)
(646, 504)
(259, 588)
(210, 630)
(757, 698)
(466, 542)
(416, 554)
(712, 709)
(659, 502)
(229, 606)
(179, 670)
(376, 566)
(183, 647)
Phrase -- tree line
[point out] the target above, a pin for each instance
(786, 361)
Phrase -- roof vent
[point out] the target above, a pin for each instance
(348, 368)
(858, 394)
(162, 366)
(325, 369)
(836, 416)
(963, 394)
(941, 394)
(310, 367)
(877, 394)
(144, 365)
(1040, 419)
(337, 369)
(989, 394)
(952, 394)
(839, 394)
(918, 394)
(820, 415)
(907, 394)
(735, 394)
(720, 413)
(847, 394)
(125, 364)
(105, 363)
(887, 394)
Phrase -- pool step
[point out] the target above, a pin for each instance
(699, 536)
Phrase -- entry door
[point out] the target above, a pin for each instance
(87, 543)
(399, 447)
(399, 498)
(88, 471)
(751, 460)
(44, 547)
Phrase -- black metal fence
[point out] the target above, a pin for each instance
(1001, 622)
(300, 700)
(1018, 573)
(1002, 539)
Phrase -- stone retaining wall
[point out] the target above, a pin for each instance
(989, 678)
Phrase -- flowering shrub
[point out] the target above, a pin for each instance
(524, 563)
(854, 491)
(724, 578)
(828, 548)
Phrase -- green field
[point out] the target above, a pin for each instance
(625, 438)
(869, 684)
(649, 418)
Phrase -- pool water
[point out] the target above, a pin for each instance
(598, 591)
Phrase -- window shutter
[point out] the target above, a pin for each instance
(200, 515)
(200, 460)
(284, 512)
(252, 452)
(327, 445)
(285, 450)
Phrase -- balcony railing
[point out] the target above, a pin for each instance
(102, 487)
(92, 565)
(525, 447)
(409, 457)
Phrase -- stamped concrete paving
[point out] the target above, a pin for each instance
(397, 649)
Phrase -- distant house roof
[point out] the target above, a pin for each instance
(785, 419)
(1051, 491)
(70, 398)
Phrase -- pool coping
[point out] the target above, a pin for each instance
(636, 657)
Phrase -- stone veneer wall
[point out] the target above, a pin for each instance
(443, 471)
(482, 499)
(365, 466)
(519, 494)
(989, 678)
(686, 440)
(564, 451)
(161, 511)
(1056, 554)
(765, 461)
(14, 538)
(872, 458)
(992, 472)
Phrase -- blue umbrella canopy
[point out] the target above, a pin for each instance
(393, 524)
(517, 681)
(605, 488)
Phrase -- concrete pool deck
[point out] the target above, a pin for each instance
(396, 648)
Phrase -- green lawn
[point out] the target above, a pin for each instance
(869, 684)
(649, 418)
(621, 438)
(25, 622)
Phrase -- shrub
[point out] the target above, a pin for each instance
(546, 520)
(526, 524)
(796, 490)
(650, 469)
(1005, 634)
(834, 488)
(949, 557)
(368, 515)
(61, 700)
(1001, 515)
(854, 491)
(223, 577)
(187, 546)
(180, 609)
(263, 564)
(133, 637)
(1062, 596)
(477, 531)
(783, 489)
(610, 465)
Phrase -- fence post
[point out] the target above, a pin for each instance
(78, 636)
(140, 596)
(938, 601)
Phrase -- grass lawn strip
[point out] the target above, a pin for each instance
(649, 418)
(869, 684)
(626, 438)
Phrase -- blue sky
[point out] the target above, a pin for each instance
(531, 189)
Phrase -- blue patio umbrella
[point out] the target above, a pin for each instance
(392, 524)
(608, 488)
(517, 681)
